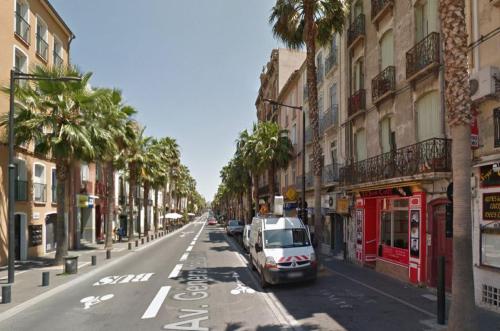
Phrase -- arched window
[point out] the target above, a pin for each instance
(429, 117)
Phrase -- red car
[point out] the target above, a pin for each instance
(212, 221)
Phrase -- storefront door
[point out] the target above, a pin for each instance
(440, 246)
(50, 233)
(338, 234)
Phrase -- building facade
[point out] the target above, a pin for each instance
(33, 34)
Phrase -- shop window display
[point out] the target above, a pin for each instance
(490, 246)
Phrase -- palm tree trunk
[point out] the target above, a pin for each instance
(457, 97)
(310, 38)
(131, 191)
(256, 193)
(271, 187)
(147, 219)
(242, 210)
(250, 204)
(156, 211)
(62, 168)
(110, 199)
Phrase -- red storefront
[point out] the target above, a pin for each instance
(391, 231)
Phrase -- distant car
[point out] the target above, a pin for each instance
(212, 221)
(246, 237)
(234, 227)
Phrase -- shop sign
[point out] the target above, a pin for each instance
(291, 194)
(489, 175)
(84, 201)
(395, 254)
(342, 206)
(491, 206)
(404, 191)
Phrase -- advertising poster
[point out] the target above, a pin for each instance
(414, 233)
(359, 227)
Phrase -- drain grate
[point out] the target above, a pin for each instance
(491, 296)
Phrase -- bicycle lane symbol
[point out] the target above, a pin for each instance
(240, 287)
(94, 300)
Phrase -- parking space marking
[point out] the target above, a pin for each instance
(184, 257)
(175, 272)
(155, 305)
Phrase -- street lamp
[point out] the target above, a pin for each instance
(16, 75)
(303, 202)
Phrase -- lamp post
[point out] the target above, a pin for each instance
(16, 75)
(303, 202)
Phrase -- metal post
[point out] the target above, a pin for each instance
(129, 246)
(94, 260)
(6, 294)
(142, 241)
(108, 254)
(304, 212)
(45, 278)
(441, 303)
(11, 192)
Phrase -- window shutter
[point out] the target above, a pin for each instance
(387, 50)
(385, 135)
(429, 117)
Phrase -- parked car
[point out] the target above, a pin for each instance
(246, 237)
(234, 227)
(212, 221)
(281, 250)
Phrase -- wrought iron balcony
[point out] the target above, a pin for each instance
(330, 118)
(423, 56)
(21, 190)
(330, 61)
(432, 155)
(357, 102)
(40, 192)
(330, 174)
(380, 7)
(22, 27)
(356, 29)
(42, 47)
(383, 84)
(58, 60)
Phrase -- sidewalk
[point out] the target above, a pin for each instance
(422, 298)
(28, 274)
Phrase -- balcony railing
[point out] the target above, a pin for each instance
(330, 174)
(356, 29)
(21, 190)
(357, 102)
(424, 54)
(383, 83)
(54, 194)
(330, 118)
(22, 27)
(58, 60)
(42, 47)
(40, 192)
(330, 61)
(378, 6)
(432, 155)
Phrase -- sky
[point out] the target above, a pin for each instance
(190, 67)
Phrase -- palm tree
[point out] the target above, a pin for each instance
(246, 146)
(458, 101)
(57, 117)
(307, 22)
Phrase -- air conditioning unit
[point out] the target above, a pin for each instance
(484, 82)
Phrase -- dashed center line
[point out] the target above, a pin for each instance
(193, 242)
(184, 257)
(189, 249)
(155, 305)
(175, 272)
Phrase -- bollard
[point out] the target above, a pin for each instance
(441, 299)
(45, 278)
(129, 246)
(108, 254)
(136, 243)
(6, 294)
(94, 260)
(147, 239)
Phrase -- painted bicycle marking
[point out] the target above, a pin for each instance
(240, 287)
(94, 300)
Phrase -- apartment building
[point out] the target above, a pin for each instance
(398, 155)
(484, 37)
(275, 74)
(33, 34)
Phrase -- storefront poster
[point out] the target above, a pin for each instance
(415, 233)
(359, 227)
(395, 254)
(491, 206)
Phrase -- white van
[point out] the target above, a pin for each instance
(281, 250)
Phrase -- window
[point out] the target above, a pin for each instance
(496, 124)
(42, 45)
(426, 19)
(39, 183)
(57, 55)
(429, 117)
(320, 67)
(284, 238)
(333, 151)
(490, 245)
(386, 50)
(394, 224)
(360, 143)
(320, 103)
(54, 186)
(358, 76)
(333, 103)
(358, 9)
(385, 135)
(20, 61)
(85, 173)
(22, 27)
(293, 134)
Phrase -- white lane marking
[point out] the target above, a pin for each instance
(155, 305)
(193, 242)
(184, 257)
(175, 272)
(189, 249)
